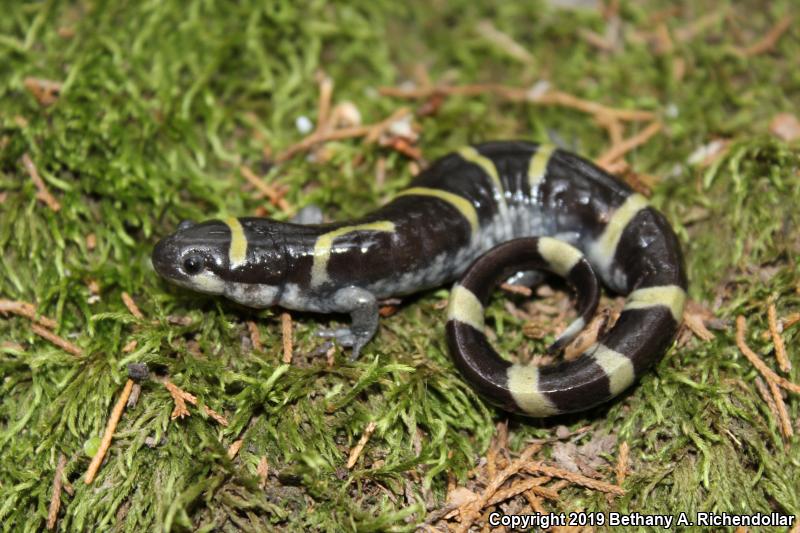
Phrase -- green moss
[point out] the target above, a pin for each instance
(162, 101)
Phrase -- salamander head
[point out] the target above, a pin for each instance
(228, 257)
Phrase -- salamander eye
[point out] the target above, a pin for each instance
(193, 263)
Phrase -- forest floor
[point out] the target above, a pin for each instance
(118, 120)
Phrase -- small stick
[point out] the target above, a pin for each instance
(27, 310)
(325, 95)
(275, 197)
(55, 499)
(355, 453)
(697, 327)
(622, 462)
(131, 346)
(131, 305)
(517, 94)
(263, 470)
(255, 337)
(179, 395)
(619, 150)
(470, 511)
(504, 41)
(516, 289)
(105, 443)
(756, 361)
(530, 484)
(58, 341)
(769, 40)
(315, 138)
(43, 194)
(234, 448)
(783, 415)
(286, 328)
(777, 340)
(541, 468)
(765, 394)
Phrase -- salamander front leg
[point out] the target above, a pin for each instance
(363, 309)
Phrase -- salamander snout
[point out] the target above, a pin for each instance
(195, 256)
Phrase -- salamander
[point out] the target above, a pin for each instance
(477, 215)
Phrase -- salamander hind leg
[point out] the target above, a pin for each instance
(363, 309)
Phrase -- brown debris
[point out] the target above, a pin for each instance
(180, 397)
(91, 241)
(516, 94)
(131, 346)
(768, 41)
(757, 362)
(131, 305)
(472, 510)
(355, 453)
(371, 132)
(62, 343)
(517, 289)
(55, 499)
(27, 310)
(780, 348)
(255, 336)
(275, 196)
(622, 462)
(536, 467)
(766, 395)
(588, 336)
(785, 126)
(46, 92)
(783, 415)
(286, 329)
(263, 471)
(43, 193)
(105, 443)
(619, 150)
(505, 42)
(694, 321)
(234, 448)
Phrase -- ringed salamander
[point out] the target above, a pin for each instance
(480, 214)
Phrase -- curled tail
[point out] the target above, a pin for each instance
(637, 253)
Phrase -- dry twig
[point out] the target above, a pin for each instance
(55, 499)
(756, 361)
(131, 305)
(255, 336)
(105, 443)
(43, 193)
(263, 471)
(62, 343)
(234, 448)
(355, 453)
(777, 340)
(286, 329)
(180, 397)
(27, 310)
(768, 41)
(622, 462)
(617, 151)
(602, 486)
(275, 197)
(516, 94)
